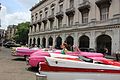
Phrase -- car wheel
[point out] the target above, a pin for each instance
(26, 57)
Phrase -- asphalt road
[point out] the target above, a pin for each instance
(12, 68)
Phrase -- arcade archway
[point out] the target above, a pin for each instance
(84, 41)
(58, 43)
(30, 44)
(44, 42)
(38, 42)
(50, 41)
(34, 41)
(69, 40)
(104, 41)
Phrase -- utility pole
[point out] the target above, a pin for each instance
(0, 17)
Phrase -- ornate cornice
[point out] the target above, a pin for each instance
(78, 29)
(38, 4)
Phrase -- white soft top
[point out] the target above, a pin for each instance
(77, 64)
(61, 55)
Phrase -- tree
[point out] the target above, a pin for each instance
(21, 35)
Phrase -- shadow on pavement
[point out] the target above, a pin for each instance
(19, 59)
(32, 69)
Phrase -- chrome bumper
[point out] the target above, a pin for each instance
(27, 61)
(40, 77)
(13, 53)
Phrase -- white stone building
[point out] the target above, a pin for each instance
(85, 23)
(11, 30)
(2, 35)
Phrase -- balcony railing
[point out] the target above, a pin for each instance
(51, 17)
(70, 11)
(84, 5)
(44, 20)
(33, 23)
(39, 21)
(59, 14)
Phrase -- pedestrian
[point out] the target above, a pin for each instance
(117, 55)
(75, 48)
(64, 47)
(105, 51)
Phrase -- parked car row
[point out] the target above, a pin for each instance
(51, 60)
(36, 57)
(11, 44)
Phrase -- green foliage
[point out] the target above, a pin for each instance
(21, 35)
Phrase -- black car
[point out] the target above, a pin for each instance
(11, 44)
(87, 49)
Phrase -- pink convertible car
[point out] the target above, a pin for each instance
(24, 51)
(39, 56)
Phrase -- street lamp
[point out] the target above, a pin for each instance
(0, 7)
(0, 26)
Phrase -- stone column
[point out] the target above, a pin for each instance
(28, 40)
(36, 39)
(76, 16)
(29, 29)
(37, 28)
(63, 37)
(93, 11)
(92, 40)
(32, 40)
(55, 25)
(115, 8)
(41, 41)
(54, 38)
(76, 39)
(48, 25)
(116, 40)
(65, 6)
(33, 29)
(46, 41)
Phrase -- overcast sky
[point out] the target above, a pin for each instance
(15, 11)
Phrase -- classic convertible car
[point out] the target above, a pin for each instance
(67, 69)
(24, 51)
(39, 56)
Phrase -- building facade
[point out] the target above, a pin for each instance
(11, 30)
(2, 35)
(85, 23)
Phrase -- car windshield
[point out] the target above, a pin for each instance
(91, 50)
(35, 48)
(87, 49)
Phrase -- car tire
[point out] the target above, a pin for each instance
(26, 58)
